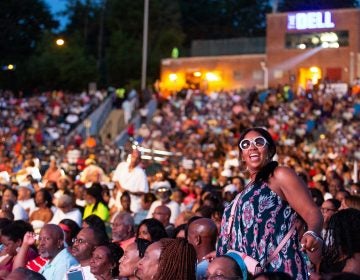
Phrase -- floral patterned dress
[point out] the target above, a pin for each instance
(260, 222)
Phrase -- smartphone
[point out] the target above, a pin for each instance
(75, 275)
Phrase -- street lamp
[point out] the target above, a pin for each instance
(60, 42)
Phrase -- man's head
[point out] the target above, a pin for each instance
(163, 193)
(51, 241)
(10, 194)
(122, 227)
(202, 235)
(25, 190)
(22, 273)
(63, 183)
(135, 158)
(79, 190)
(162, 213)
(85, 243)
(65, 203)
(146, 200)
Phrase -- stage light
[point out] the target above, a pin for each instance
(212, 77)
(173, 77)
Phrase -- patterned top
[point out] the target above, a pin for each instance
(261, 220)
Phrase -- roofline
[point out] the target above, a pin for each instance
(207, 58)
(322, 10)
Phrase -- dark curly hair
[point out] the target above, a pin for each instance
(155, 228)
(16, 230)
(142, 244)
(47, 197)
(115, 252)
(342, 238)
(95, 222)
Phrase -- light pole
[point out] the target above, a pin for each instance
(145, 43)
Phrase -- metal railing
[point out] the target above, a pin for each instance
(123, 137)
(92, 124)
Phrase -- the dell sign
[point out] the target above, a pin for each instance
(310, 20)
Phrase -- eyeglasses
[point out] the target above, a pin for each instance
(325, 210)
(258, 142)
(79, 240)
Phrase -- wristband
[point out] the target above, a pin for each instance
(313, 234)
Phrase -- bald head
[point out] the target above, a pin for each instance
(55, 231)
(202, 233)
(162, 213)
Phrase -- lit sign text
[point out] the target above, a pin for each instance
(310, 20)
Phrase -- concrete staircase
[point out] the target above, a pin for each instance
(113, 125)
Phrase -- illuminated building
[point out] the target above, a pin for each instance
(301, 47)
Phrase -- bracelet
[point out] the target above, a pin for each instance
(313, 234)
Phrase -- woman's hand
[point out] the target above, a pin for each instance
(209, 257)
(29, 238)
(311, 242)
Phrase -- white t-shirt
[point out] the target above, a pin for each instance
(134, 181)
(27, 204)
(74, 215)
(174, 207)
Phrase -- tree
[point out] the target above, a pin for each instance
(22, 24)
(84, 21)
(125, 28)
(305, 5)
(215, 19)
(65, 67)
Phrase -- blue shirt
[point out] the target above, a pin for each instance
(201, 269)
(56, 269)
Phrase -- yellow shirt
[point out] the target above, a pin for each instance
(101, 211)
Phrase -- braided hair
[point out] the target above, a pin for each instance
(182, 263)
(342, 237)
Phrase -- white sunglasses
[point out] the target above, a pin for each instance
(258, 142)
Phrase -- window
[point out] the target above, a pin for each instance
(334, 39)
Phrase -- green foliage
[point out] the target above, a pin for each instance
(65, 67)
(123, 59)
(124, 54)
(218, 19)
(22, 24)
(104, 37)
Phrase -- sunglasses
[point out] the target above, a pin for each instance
(258, 142)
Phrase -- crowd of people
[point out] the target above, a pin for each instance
(227, 185)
